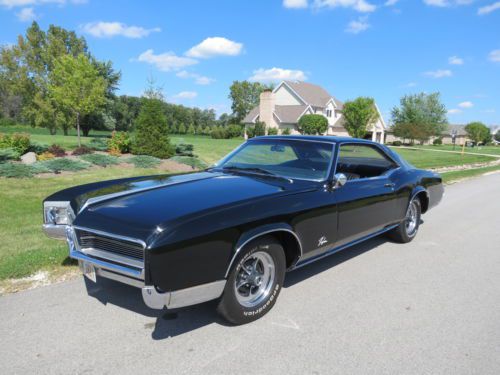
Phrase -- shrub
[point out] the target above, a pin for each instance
(181, 129)
(313, 124)
(184, 149)
(18, 141)
(57, 151)
(45, 156)
(218, 133)
(63, 164)
(193, 162)
(191, 130)
(259, 129)
(234, 131)
(100, 159)
(38, 148)
(397, 143)
(16, 170)
(119, 143)
(437, 142)
(82, 150)
(272, 131)
(286, 131)
(8, 154)
(99, 144)
(151, 137)
(144, 161)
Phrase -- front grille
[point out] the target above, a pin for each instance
(89, 240)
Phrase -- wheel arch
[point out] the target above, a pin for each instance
(283, 232)
(423, 195)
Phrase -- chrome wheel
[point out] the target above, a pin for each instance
(255, 279)
(411, 219)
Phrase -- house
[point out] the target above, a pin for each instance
(290, 100)
(446, 136)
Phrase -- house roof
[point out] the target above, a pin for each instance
(252, 115)
(313, 94)
(460, 129)
(289, 114)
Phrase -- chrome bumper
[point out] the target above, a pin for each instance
(55, 231)
(135, 277)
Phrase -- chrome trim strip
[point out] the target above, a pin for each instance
(112, 235)
(259, 235)
(113, 257)
(345, 246)
(137, 274)
(119, 278)
(183, 297)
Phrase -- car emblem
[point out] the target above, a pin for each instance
(322, 241)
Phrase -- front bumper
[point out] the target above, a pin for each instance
(152, 297)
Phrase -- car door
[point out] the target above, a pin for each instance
(367, 201)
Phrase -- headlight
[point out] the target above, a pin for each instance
(58, 213)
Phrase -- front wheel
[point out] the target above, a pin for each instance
(408, 228)
(254, 282)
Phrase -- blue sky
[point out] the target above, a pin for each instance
(384, 49)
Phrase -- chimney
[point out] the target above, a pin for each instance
(266, 108)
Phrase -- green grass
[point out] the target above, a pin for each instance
(24, 248)
(427, 159)
(458, 175)
(493, 150)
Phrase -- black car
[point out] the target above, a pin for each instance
(231, 232)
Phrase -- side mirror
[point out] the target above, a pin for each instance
(339, 180)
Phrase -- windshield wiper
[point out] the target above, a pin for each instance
(255, 170)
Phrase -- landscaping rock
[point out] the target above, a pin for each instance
(28, 158)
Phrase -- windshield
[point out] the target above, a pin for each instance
(294, 159)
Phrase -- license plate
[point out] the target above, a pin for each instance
(89, 271)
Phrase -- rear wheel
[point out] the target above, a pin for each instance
(408, 228)
(254, 282)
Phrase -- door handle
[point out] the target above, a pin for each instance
(389, 184)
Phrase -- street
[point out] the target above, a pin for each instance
(428, 307)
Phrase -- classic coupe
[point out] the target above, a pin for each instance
(232, 231)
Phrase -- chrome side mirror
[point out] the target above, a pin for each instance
(339, 180)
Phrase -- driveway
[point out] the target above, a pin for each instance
(428, 307)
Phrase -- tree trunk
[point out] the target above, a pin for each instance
(78, 128)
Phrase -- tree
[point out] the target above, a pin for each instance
(478, 132)
(191, 130)
(497, 136)
(77, 86)
(419, 117)
(359, 114)
(313, 124)
(245, 96)
(151, 129)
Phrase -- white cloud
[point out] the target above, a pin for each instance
(454, 111)
(490, 110)
(198, 79)
(466, 104)
(166, 61)
(358, 5)
(186, 95)
(390, 3)
(215, 46)
(447, 3)
(277, 74)
(440, 73)
(295, 4)
(455, 60)
(26, 15)
(495, 55)
(410, 84)
(357, 26)
(111, 29)
(488, 8)
(23, 3)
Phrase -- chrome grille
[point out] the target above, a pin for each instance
(90, 240)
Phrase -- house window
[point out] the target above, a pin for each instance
(328, 113)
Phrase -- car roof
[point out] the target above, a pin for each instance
(319, 138)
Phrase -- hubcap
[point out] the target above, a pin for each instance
(411, 219)
(254, 279)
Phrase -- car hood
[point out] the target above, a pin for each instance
(139, 208)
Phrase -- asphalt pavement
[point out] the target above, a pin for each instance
(428, 307)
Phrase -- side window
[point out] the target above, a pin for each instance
(362, 161)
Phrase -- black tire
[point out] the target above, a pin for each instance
(402, 233)
(231, 307)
